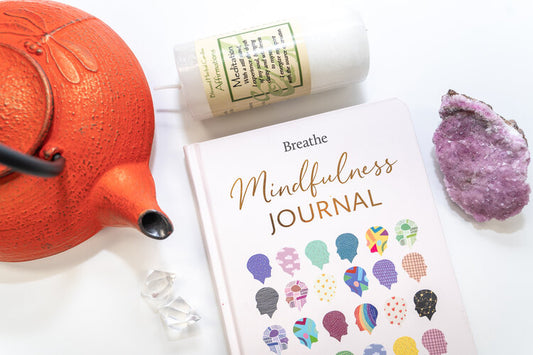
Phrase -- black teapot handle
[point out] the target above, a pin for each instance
(29, 164)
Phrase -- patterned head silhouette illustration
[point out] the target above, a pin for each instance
(335, 324)
(355, 278)
(425, 303)
(275, 337)
(375, 349)
(259, 266)
(435, 342)
(366, 316)
(414, 265)
(267, 301)
(406, 231)
(347, 244)
(305, 331)
(395, 310)
(289, 260)
(326, 287)
(405, 346)
(317, 252)
(376, 239)
(296, 294)
(385, 272)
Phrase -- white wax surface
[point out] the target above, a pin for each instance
(337, 49)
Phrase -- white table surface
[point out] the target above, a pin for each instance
(87, 300)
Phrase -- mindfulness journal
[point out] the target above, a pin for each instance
(323, 238)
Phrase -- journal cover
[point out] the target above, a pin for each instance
(323, 238)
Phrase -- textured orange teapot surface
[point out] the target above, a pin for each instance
(70, 85)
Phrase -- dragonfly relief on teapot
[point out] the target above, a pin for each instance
(76, 132)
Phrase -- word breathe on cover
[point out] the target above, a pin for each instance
(309, 142)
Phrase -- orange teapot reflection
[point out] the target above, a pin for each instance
(75, 108)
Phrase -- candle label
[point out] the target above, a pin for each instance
(253, 68)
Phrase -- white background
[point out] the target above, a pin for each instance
(87, 300)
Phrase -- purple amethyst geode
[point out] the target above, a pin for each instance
(483, 158)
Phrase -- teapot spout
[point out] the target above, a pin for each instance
(155, 224)
(125, 195)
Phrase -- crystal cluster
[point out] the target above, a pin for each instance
(483, 157)
(175, 313)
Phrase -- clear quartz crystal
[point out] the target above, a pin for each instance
(178, 315)
(157, 288)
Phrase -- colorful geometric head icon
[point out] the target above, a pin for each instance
(435, 342)
(326, 287)
(259, 266)
(385, 272)
(406, 231)
(347, 244)
(375, 349)
(305, 331)
(414, 265)
(275, 337)
(317, 252)
(267, 301)
(289, 260)
(405, 346)
(425, 303)
(366, 316)
(335, 324)
(355, 278)
(296, 294)
(395, 310)
(376, 239)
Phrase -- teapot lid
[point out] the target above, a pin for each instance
(26, 102)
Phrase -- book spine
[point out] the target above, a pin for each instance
(193, 159)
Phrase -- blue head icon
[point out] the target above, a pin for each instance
(347, 244)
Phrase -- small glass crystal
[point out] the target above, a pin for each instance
(157, 288)
(178, 315)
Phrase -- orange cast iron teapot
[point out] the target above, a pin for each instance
(75, 110)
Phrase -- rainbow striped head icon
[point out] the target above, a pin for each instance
(366, 316)
(259, 266)
(296, 294)
(335, 324)
(355, 277)
(275, 337)
(405, 346)
(376, 239)
(435, 342)
(305, 331)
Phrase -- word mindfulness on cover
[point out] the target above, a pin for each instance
(309, 180)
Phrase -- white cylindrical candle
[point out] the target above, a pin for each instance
(275, 62)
